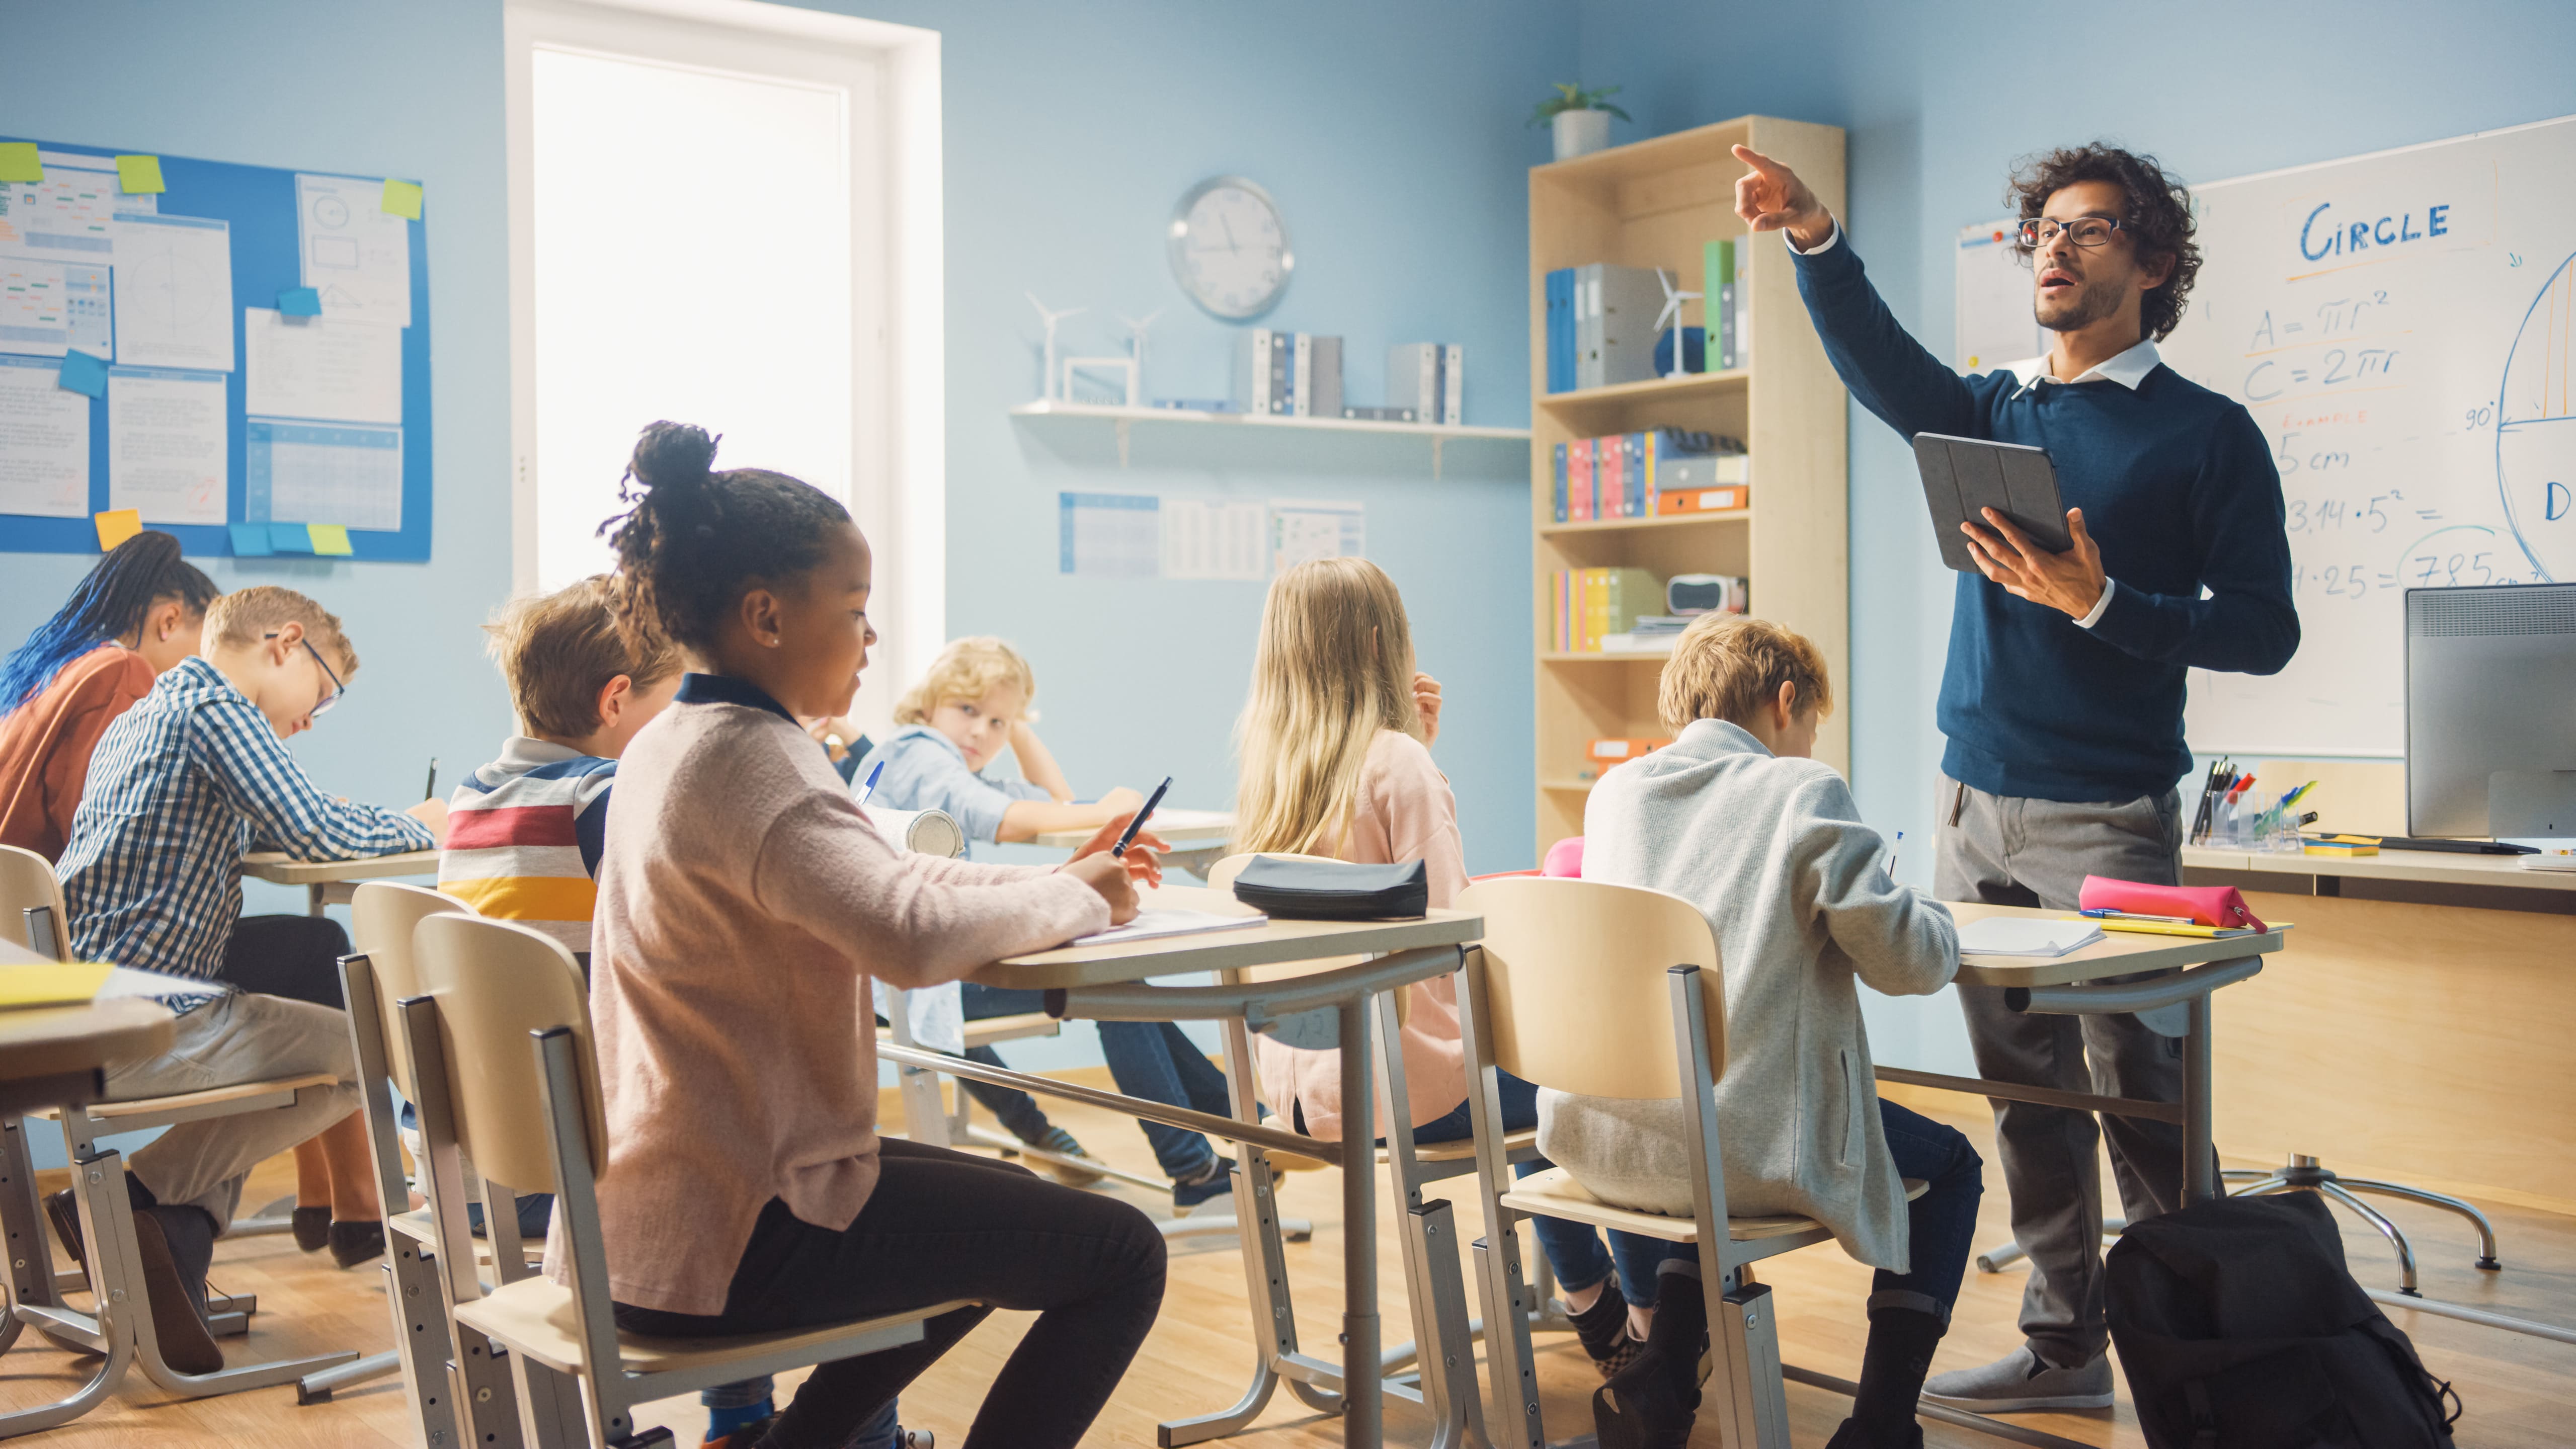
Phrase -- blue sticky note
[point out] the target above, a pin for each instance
(84, 373)
(250, 540)
(289, 538)
(299, 302)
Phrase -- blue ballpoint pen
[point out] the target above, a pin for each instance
(870, 787)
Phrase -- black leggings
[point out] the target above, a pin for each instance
(297, 957)
(944, 1225)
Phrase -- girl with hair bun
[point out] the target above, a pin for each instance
(744, 901)
(135, 614)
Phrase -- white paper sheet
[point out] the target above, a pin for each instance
(70, 215)
(1208, 538)
(1149, 925)
(1109, 535)
(298, 472)
(44, 441)
(2025, 936)
(174, 292)
(165, 444)
(1300, 531)
(321, 367)
(49, 307)
(353, 252)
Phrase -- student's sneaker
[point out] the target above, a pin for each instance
(2021, 1382)
(742, 1436)
(1215, 1179)
(1849, 1437)
(1061, 1142)
(1603, 1328)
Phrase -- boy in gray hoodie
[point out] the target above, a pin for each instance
(1734, 817)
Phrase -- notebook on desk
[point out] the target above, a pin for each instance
(2039, 936)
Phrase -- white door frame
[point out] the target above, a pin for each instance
(899, 450)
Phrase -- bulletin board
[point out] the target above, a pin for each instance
(305, 295)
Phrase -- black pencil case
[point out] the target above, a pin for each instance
(1331, 890)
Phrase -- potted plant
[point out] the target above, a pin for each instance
(1581, 118)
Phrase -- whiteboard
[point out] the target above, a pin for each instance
(2399, 326)
(1996, 324)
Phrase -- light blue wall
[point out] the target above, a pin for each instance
(1938, 101)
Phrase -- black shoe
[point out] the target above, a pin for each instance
(1849, 1437)
(64, 1214)
(1645, 1406)
(178, 1319)
(1603, 1328)
(355, 1243)
(312, 1228)
(1214, 1180)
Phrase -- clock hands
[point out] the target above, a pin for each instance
(1229, 232)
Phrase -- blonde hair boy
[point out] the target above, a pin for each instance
(1769, 681)
(245, 617)
(969, 668)
(562, 654)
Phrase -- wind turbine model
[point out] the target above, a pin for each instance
(1046, 379)
(1136, 349)
(1671, 317)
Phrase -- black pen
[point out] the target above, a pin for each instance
(430, 790)
(1129, 837)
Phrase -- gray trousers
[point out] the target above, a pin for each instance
(244, 1037)
(2011, 851)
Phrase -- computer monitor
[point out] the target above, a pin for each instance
(2490, 685)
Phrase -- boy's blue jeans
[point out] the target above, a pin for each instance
(1154, 1060)
(1941, 1225)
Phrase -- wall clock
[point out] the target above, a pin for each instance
(1229, 248)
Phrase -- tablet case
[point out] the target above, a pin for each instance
(1962, 477)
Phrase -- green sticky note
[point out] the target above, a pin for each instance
(402, 198)
(330, 538)
(136, 175)
(18, 162)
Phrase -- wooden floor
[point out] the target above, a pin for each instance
(2516, 1388)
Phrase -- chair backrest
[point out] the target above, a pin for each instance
(383, 915)
(27, 881)
(496, 983)
(1578, 994)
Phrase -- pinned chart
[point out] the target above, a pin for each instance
(238, 355)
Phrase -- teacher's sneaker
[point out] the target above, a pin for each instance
(2020, 1383)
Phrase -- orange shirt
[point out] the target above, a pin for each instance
(45, 744)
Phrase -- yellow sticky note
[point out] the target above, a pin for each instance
(51, 983)
(136, 175)
(330, 538)
(116, 526)
(18, 162)
(402, 198)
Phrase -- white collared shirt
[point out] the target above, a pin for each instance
(2128, 369)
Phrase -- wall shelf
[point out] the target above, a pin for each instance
(1689, 385)
(1575, 786)
(1123, 418)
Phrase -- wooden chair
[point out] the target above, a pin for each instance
(502, 1055)
(1615, 991)
(119, 1329)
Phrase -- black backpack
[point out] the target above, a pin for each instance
(2239, 1328)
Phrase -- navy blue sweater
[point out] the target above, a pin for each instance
(2178, 490)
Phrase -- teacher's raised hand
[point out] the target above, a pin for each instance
(1770, 197)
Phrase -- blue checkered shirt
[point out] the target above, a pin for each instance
(179, 788)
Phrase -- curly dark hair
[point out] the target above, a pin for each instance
(692, 541)
(2157, 215)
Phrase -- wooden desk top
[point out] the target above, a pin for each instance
(1183, 829)
(2429, 866)
(273, 865)
(54, 1041)
(1262, 945)
(2117, 954)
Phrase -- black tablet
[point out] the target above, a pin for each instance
(1962, 477)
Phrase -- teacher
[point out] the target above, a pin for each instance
(2062, 701)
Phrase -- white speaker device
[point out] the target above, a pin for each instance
(923, 832)
(1706, 594)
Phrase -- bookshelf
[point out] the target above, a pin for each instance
(1653, 204)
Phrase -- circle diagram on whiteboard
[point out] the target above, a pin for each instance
(2536, 429)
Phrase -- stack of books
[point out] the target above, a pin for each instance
(1601, 320)
(1643, 475)
(1651, 634)
(1592, 605)
(1288, 374)
(1429, 379)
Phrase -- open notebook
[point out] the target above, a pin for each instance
(1152, 923)
(2025, 936)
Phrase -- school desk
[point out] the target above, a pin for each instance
(1327, 1008)
(1199, 838)
(51, 1056)
(332, 882)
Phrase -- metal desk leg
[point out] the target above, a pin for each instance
(1363, 1399)
(2199, 1157)
(316, 898)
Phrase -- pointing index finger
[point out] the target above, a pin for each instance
(1758, 161)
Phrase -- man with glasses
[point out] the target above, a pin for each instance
(2062, 701)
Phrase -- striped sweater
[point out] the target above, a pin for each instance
(524, 835)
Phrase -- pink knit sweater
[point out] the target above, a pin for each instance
(1405, 811)
(743, 902)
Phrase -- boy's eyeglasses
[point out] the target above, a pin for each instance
(338, 690)
(2085, 231)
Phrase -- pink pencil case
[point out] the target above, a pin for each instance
(2206, 905)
